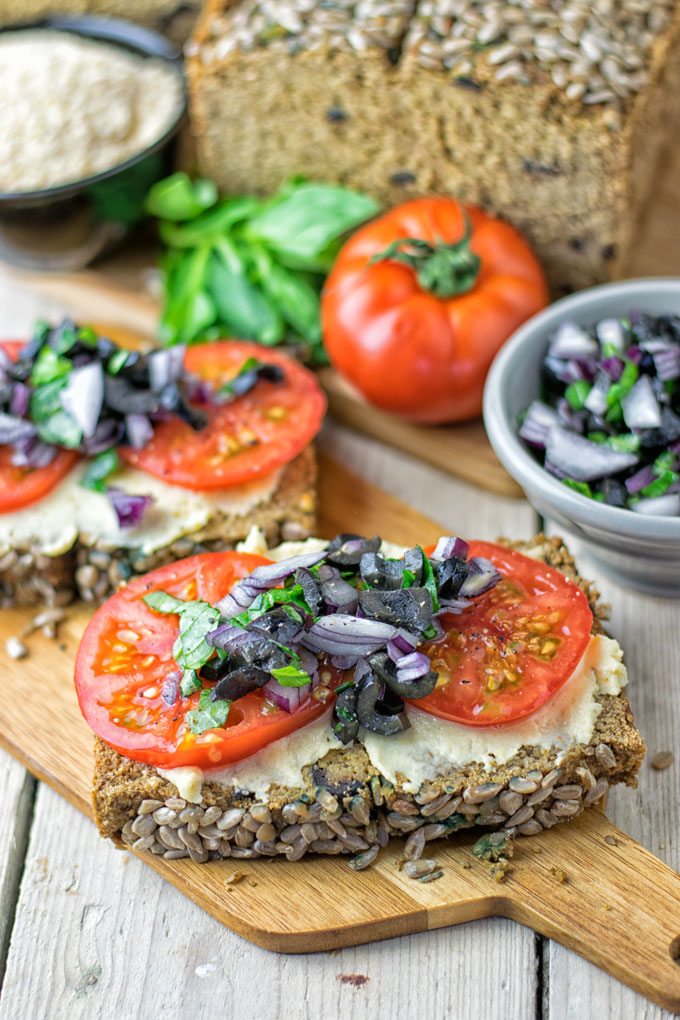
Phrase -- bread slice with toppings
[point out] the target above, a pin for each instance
(306, 793)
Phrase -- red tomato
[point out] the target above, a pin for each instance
(21, 486)
(126, 653)
(247, 439)
(417, 336)
(511, 651)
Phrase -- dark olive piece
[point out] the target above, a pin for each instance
(410, 607)
(385, 670)
(239, 683)
(377, 709)
(345, 719)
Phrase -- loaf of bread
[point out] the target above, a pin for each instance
(551, 114)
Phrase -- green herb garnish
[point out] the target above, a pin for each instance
(99, 470)
(291, 676)
(429, 581)
(576, 394)
(48, 367)
(210, 715)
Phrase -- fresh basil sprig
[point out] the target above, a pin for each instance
(191, 650)
(249, 267)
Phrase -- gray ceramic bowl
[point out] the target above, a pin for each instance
(639, 551)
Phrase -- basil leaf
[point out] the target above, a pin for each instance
(296, 300)
(185, 277)
(408, 578)
(117, 362)
(288, 597)
(179, 198)
(242, 307)
(303, 221)
(99, 470)
(60, 429)
(196, 621)
(291, 676)
(210, 715)
(576, 394)
(581, 487)
(211, 225)
(661, 483)
(429, 581)
(48, 367)
(189, 683)
(46, 401)
(162, 602)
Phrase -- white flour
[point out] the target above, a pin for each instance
(71, 107)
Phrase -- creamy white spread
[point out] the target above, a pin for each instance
(279, 764)
(432, 745)
(55, 522)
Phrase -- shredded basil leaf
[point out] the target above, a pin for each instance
(48, 367)
(99, 470)
(116, 362)
(197, 619)
(576, 394)
(288, 597)
(210, 715)
(61, 429)
(429, 581)
(162, 602)
(291, 676)
(189, 683)
(581, 487)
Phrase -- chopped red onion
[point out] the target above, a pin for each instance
(575, 457)
(645, 476)
(667, 364)
(20, 400)
(570, 341)
(640, 407)
(613, 367)
(401, 644)
(596, 401)
(344, 635)
(33, 453)
(262, 579)
(14, 430)
(448, 547)
(166, 366)
(412, 667)
(610, 332)
(667, 505)
(130, 509)
(83, 396)
(483, 576)
(139, 430)
(537, 423)
(170, 688)
(287, 698)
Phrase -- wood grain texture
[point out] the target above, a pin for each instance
(648, 629)
(17, 788)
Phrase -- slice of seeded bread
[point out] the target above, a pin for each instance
(93, 572)
(346, 806)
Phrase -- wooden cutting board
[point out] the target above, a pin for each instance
(584, 883)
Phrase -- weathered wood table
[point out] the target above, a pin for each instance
(89, 932)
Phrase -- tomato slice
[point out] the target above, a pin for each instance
(21, 486)
(249, 438)
(126, 653)
(511, 651)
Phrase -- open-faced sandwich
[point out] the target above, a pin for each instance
(326, 696)
(113, 462)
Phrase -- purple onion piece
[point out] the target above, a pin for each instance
(413, 666)
(130, 509)
(447, 547)
(224, 635)
(170, 688)
(262, 579)
(537, 423)
(571, 456)
(610, 332)
(596, 401)
(83, 396)
(328, 572)
(613, 367)
(107, 434)
(287, 698)
(482, 577)
(20, 400)
(347, 635)
(401, 644)
(570, 341)
(15, 430)
(139, 430)
(453, 606)
(640, 407)
(638, 481)
(667, 365)
(661, 506)
(32, 452)
(165, 367)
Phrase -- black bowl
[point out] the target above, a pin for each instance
(66, 226)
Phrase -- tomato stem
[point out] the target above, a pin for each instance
(444, 270)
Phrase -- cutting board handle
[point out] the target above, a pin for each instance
(600, 893)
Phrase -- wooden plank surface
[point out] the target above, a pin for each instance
(648, 629)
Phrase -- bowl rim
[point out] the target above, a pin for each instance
(119, 34)
(511, 451)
